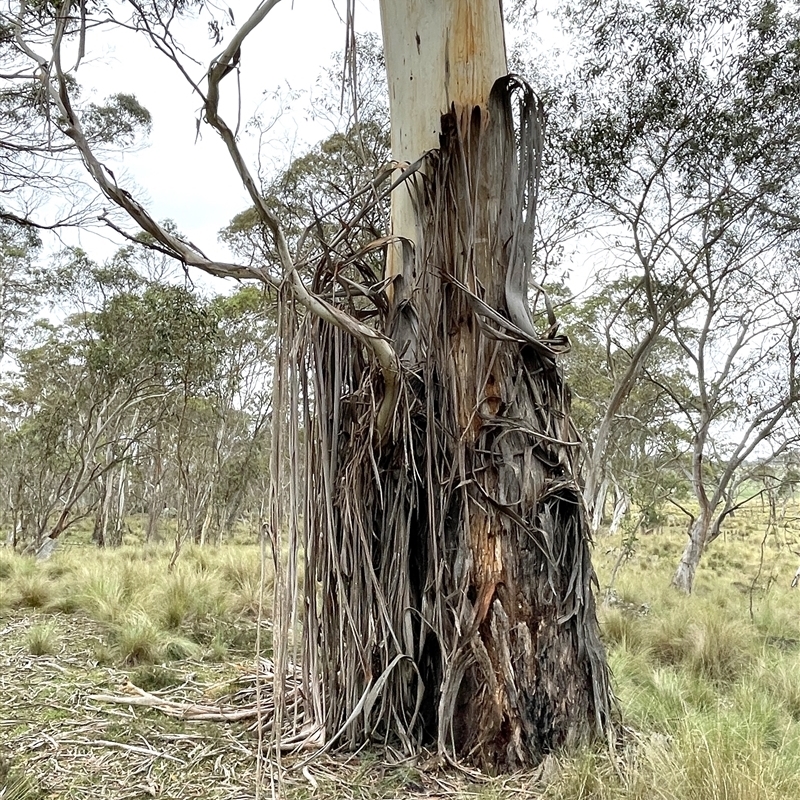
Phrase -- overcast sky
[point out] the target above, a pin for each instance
(192, 181)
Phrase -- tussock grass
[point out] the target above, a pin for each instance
(136, 639)
(8, 563)
(22, 584)
(153, 677)
(31, 591)
(779, 678)
(15, 785)
(106, 595)
(204, 608)
(710, 695)
(41, 640)
(242, 572)
(192, 601)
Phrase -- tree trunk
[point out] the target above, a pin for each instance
(452, 558)
(622, 503)
(103, 509)
(117, 530)
(683, 578)
(156, 504)
(699, 528)
(597, 505)
(704, 530)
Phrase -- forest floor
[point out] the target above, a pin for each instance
(708, 685)
(87, 629)
(58, 742)
(60, 739)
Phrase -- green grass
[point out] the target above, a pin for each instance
(708, 685)
(14, 785)
(204, 608)
(41, 640)
(709, 696)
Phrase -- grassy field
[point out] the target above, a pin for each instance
(708, 685)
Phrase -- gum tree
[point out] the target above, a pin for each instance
(448, 583)
(684, 149)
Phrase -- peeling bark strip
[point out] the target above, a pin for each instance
(451, 562)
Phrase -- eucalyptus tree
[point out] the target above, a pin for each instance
(167, 333)
(742, 346)
(71, 428)
(223, 422)
(677, 134)
(18, 250)
(242, 391)
(40, 172)
(448, 591)
(89, 389)
(645, 463)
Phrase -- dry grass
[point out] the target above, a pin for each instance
(41, 639)
(708, 694)
(56, 741)
(147, 614)
(710, 698)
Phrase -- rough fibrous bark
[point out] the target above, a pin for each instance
(453, 557)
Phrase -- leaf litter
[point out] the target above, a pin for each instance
(71, 727)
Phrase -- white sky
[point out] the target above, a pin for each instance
(193, 182)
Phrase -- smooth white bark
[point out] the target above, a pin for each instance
(439, 53)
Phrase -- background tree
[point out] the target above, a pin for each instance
(41, 176)
(742, 355)
(645, 453)
(142, 392)
(18, 251)
(678, 134)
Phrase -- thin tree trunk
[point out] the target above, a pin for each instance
(622, 502)
(119, 510)
(103, 510)
(683, 578)
(156, 504)
(598, 505)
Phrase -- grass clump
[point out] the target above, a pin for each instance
(706, 758)
(108, 590)
(708, 685)
(192, 602)
(179, 648)
(718, 648)
(620, 628)
(41, 639)
(136, 639)
(781, 680)
(153, 677)
(15, 785)
(7, 561)
(240, 570)
(31, 589)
